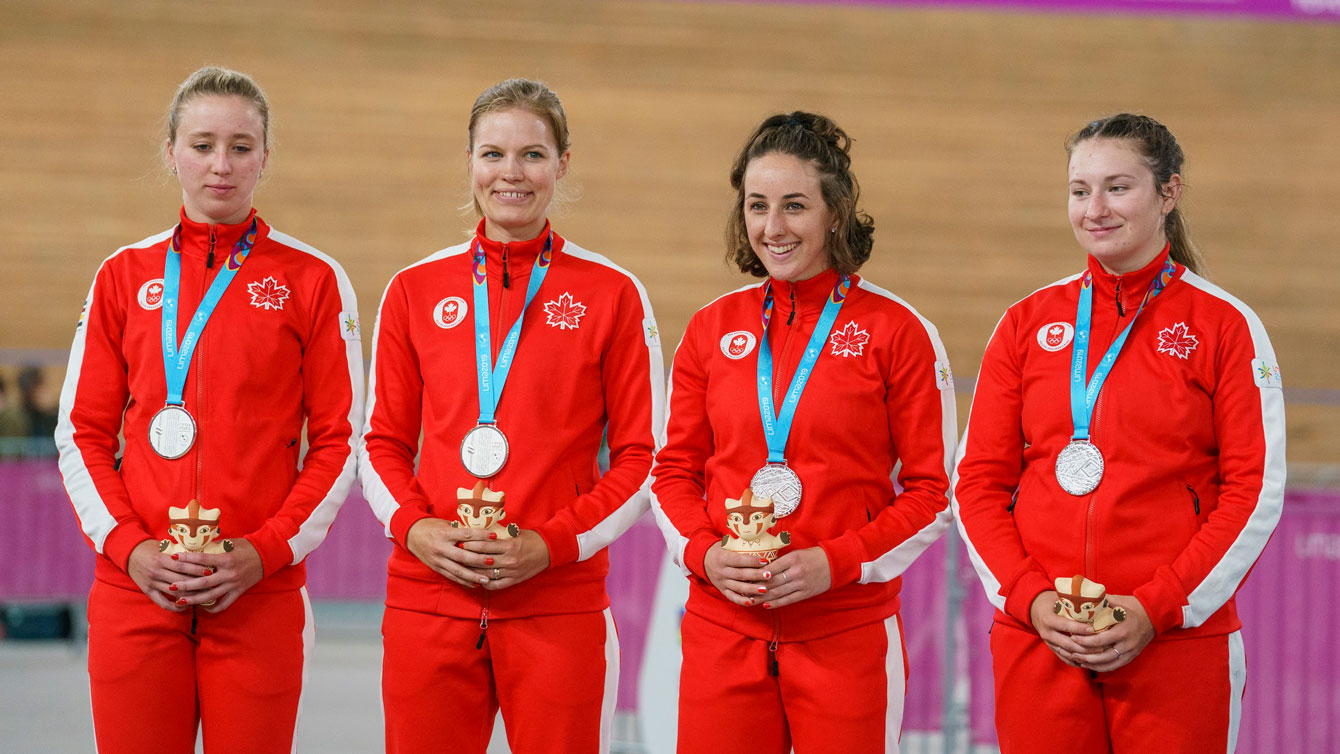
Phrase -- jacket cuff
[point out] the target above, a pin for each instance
(1026, 588)
(844, 561)
(561, 541)
(403, 520)
(274, 551)
(1163, 598)
(695, 552)
(122, 541)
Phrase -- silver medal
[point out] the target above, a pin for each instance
(484, 450)
(171, 432)
(779, 482)
(1079, 467)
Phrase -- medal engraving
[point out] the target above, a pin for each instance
(484, 451)
(779, 483)
(171, 432)
(1079, 467)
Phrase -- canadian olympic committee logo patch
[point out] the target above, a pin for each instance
(151, 294)
(1056, 336)
(737, 344)
(450, 312)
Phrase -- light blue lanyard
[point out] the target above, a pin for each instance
(777, 427)
(491, 381)
(177, 362)
(1082, 398)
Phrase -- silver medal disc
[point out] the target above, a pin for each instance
(171, 432)
(779, 482)
(1079, 467)
(484, 450)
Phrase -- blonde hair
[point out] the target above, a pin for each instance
(525, 94)
(220, 81)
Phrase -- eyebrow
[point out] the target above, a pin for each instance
(500, 149)
(794, 195)
(1116, 176)
(202, 134)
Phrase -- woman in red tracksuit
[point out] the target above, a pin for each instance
(207, 347)
(806, 650)
(508, 355)
(1128, 427)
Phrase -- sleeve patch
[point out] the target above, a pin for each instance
(944, 378)
(349, 329)
(1267, 374)
(651, 333)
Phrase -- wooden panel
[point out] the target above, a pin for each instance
(958, 117)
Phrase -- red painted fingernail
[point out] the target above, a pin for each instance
(766, 605)
(751, 600)
(172, 587)
(763, 590)
(460, 544)
(488, 561)
(174, 556)
(181, 601)
(767, 574)
(493, 535)
(762, 561)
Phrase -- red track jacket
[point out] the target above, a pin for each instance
(1191, 426)
(282, 347)
(589, 355)
(880, 394)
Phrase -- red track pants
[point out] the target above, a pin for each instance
(554, 676)
(841, 693)
(156, 676)
(1181, 696)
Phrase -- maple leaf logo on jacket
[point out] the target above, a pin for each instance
(1176, 341)
(564, 313)
(268, 294)
(849, 341)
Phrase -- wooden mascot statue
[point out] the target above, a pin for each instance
(194, 529)
(1086, 602)
(749, 520)
(482, 508)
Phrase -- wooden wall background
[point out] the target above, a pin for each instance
(958, 116)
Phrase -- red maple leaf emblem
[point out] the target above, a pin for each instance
(268, 294)
(849, 341)
(564, 313)
(155, 292)
(1177, 341)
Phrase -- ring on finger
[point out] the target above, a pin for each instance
(1116, 651)
(497, 573)
(783, 577)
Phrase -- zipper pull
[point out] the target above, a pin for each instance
(792, 315)
(483, 627)
(209, 261)
(1121, 310)
(774, 669)
(507, 279)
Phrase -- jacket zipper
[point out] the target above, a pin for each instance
(198, 363)
(483, 621)
(778, 388)
(774, 667)
(507, 278)
(1121, 310)
(1090, 556)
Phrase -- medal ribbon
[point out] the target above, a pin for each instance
(1082, 397)
(177, 361)
(777, 426)
(491, 380)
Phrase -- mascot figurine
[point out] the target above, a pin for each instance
(194, 529)
(482, 508)
(749, 520)
(1086, 602)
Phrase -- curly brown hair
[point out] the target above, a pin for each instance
(819, 141)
